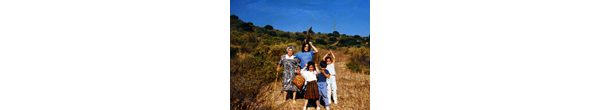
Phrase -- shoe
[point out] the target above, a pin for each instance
(294, 101)
(327, 108)
(318, 108)
(304, 108)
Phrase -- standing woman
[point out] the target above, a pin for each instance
(306, 54)
(291, 67)
(312, 89)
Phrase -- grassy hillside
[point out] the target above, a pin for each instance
(255, 50)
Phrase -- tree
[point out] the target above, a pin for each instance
(311, 32)
(332, 40)
(251, 24)
(286, 35)
(246, 27)
(319, 33)
(234, 17)
(272, 33)
(269, 27)
(336, 33)
(356, 36)
(320, 41)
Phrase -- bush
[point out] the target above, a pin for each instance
(272, 33)
(269, 27)
(232, 51)
(353, 67)
(234, 17)
(246, 27)
(286, 35)
(359, 59)
(320, 42)
(336, 33)
(260, 51)
(332, 40)
(248, 75)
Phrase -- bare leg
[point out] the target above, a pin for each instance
(294, 97)
(284, 95)
(318, 103)
(305, 103)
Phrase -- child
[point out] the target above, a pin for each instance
(322, 82)
(312, 89)
(331, 83)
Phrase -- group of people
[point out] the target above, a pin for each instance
(319, 82)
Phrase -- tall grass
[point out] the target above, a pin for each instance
(251, 72)
(359, 59)
(254, 55)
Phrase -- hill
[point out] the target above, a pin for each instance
(254, 52)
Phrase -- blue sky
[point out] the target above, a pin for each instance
(351, 17)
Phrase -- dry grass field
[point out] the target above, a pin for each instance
(353, 91)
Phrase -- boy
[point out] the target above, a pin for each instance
(322, 82)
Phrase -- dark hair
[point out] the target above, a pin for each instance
(323, 64)
(313, 64)
(304, 45)
(327, 58)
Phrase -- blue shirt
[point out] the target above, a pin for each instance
(305, 57)
(321, 77)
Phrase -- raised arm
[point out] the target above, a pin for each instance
(325, 56)
(332, 58)
(313, 47)
(302, 71)
(304, 67)
(318, 71)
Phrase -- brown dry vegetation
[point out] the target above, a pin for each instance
(255, 51)
(353, 91)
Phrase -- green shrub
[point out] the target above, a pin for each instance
(246, 27)
(320, 42)
(233, 51)
(261, 49)
(269, 27)
(359, 59)
(352, 66)
(272, 33)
